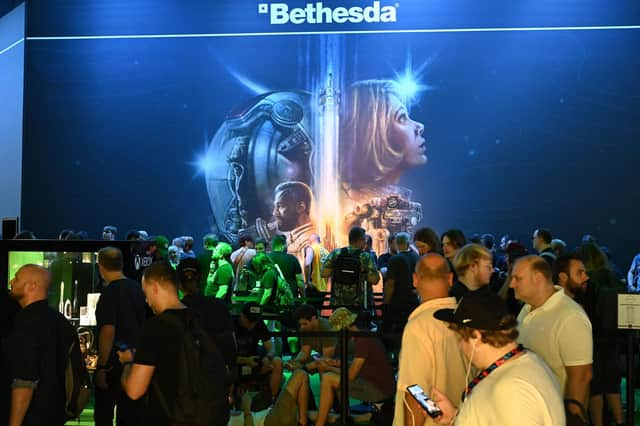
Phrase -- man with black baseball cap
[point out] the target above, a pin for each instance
(514, 386)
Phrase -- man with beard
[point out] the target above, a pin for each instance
(292, 210)
(599, 302)
(570, 274)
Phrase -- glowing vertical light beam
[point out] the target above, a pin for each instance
(327, 155)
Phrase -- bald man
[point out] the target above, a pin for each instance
(120, 315)
(37, 348)
(430, 354)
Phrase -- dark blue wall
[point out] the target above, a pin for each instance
(525, 128)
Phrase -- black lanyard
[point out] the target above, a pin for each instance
(490, 369)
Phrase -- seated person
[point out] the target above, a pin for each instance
(255, 360)
(308, 320)
(283, 413)
(370, 373)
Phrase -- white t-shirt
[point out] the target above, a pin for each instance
(246, 255)
(521, 392)
(560, 332)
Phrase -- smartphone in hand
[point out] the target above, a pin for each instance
(425, 402)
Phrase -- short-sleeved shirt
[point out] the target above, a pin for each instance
(289, 266)
(318, 344)
(559, 331)
(383, 260)
(247, 340)
(376, 369)
(401, 267)
(37, 352)
(122, 304)
(159, 347)
(269, 280)
(521, 392)
(430, 357)
(459, 290)
(221, 276)
(242, 256)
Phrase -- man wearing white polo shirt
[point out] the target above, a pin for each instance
(555, 327)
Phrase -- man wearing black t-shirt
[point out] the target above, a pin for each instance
(120, 314)
(37, 352)
(288, 263)
(155, 370)
(399, 297)
(474, 265)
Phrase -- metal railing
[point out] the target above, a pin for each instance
(343, 337)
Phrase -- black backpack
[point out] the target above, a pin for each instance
(201, 394)
(76, 378)
(346, 285)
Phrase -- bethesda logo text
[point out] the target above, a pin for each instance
(317, 13)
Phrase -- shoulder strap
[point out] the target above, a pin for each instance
(239, 258)
(549, 255)
(279, 271)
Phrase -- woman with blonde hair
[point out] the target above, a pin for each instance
(378, 141)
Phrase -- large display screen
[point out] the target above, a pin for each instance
(257, 117)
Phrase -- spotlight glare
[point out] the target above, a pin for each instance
(409, 82)
(408, 86)
(205, 165)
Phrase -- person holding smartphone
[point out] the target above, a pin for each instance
(430, 355)
(514, 386)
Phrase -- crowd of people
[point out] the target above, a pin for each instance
(491, 334)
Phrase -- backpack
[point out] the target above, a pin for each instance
(283, 296)
(549, 255)
(201, 392)
(77, 385)
(345, 279)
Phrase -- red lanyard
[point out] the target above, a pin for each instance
(490, 369)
